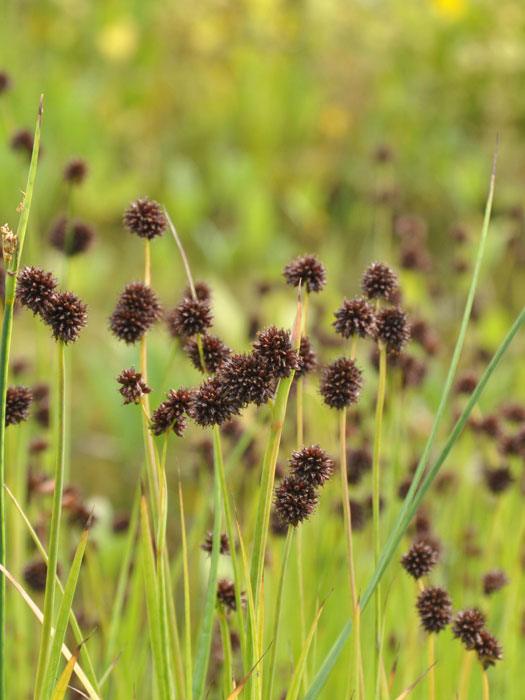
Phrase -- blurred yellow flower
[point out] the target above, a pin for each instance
(118, 41)
(334, 121)
(450, 8)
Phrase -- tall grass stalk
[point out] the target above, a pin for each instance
(5, 348)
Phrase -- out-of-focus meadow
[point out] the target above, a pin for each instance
(271, 128)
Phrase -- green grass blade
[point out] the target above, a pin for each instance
(187, 598)
(295, 684)
(62, 686)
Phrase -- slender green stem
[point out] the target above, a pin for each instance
(187, 598)
(486, 686)
(54, 533)
(431, 667)
(227, 669)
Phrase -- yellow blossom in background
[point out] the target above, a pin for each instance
(118, 41)
(452, 9)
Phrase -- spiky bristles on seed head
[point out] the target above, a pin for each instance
(273, 347)
(341, 383)
(133, 388)
(246, 379)
(171, 413)
(435, 608)
(35, 289)
(202, 291)
(494, 581)
(420, 559)
(307, 360)
(214, 353)
(71, 237)
(224, 544)
(488, 649)
(137, 309)
(307, 271)
(311, 465)
(211, 405)
(226, 595)
(35, 574)
(392, 329)
(66, 315)
(355, 317)
(76, 171)
(17, 404)
(190, 317)
(467, 625)
(380, 282)
(295, 499)
(145, 218)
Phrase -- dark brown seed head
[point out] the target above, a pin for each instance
(35, 289)
(380, 282)
(214, 352)
(311, 465)
(71, 237)
(513, 412)
(420, 559)
(467, 625)
(466, 383)
(136, 311)
(413, 371)
(435, 609)
(66, 316)
(341, 383)
(121, 522)
(35, 574)
(494, 581)
(273, 347)
(423, 334)
(17, 404)
(211, 404)
(23, 140)
(132, 388)
(358, 461)
(392, 329)
(355, 317)
(188, 318)
(5, 82)
(226, 595)
(488, 649)
(224, 545)
(247, 379)
(76, 171)
(498, 480)
(202, 292)
(307, 271)
(295, 500)
(170, 415)
(307, 358)
(145, 218)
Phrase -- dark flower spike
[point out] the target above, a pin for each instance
(71, 237)
(35, 289)
(273, 346)
(211, 405)
(214, 351)
(392, 329)
(137, 309)
(307, 271)
(435, 609)
(76, 171)
(17, 404)
(226, 595)
(341, 383)
(467, 625)
(170, 415)
(307, 358)
(35, 574)
(380, 282)
(494, 581)
(133, 388)
(355, 317)
(295, 500)
(145, 218)
(311, 465)
(246, 379)
(420, 559)
(66, 316)
(488, 649)
(224, 545)
(190, 317)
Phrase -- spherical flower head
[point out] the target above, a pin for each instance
(202, 292)
(224, 544)
(488, 649)
(392, 329)
(137, 309)
(226, 595)
(355, 317)
(23, 141)
(35, 289)
(5, 82)
(132, 388)
(295, 500)
(341, 383)
(467, 625)
(435, 609)
(35, 574)
(420, 559)
(466, 383)
(211, 405)
(66, 316)
(311, 465)
(17, 404)
(214, 353)
(358, 461)
(190, 317)
(273, 346)
(145, 218)
(71, 237)
(307, 360)
(380, 282)
(247, 379)
(494, 581)
(76, 171)
(170, 415)
(307, 271)
(498, 480)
